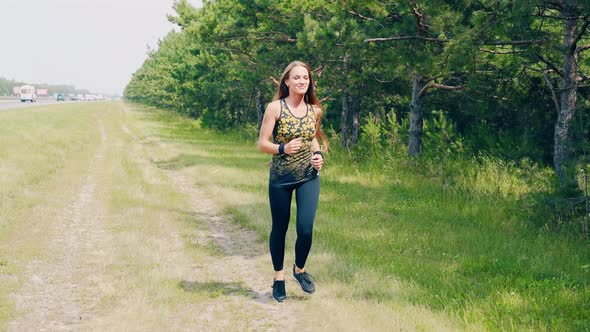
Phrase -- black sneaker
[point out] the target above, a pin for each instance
(278, 290)
(304, 280)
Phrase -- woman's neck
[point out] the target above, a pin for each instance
(294, 99)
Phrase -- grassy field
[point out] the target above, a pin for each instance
(119, 200)
(113, 219)
(33, 152)
(392, 231)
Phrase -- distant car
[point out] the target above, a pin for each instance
(61, 97)
(28, 93)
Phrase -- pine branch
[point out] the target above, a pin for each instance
(581, 33)
(500, 52)
(560, 17)
(355, 13)
(555, 4)
(549, 64)
(439, 40)
(326, 99)
(266, 36)
(422, 26)
(248, 57)
(445, 87)
(439, 86)
(383, 81)
(274, 80)
(436, 40)
(516, 42)
(552, 89)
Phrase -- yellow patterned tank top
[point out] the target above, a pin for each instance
(287, 169)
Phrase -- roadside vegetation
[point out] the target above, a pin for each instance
(425, 243)
(462, 237)
(458, 172)
(482, 98)
(511, 77)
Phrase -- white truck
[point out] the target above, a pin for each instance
(28, 93)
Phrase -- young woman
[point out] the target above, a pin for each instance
(290, 131)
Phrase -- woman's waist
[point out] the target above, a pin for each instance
(303, 155)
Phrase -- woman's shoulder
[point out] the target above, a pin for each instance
(274, 105)
(317, 110)
(274, 108)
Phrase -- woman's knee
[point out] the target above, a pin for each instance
(305, 233)
(279, 229)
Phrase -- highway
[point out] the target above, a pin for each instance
(6, 104)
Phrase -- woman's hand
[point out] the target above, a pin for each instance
(317, 161)
(293, 146)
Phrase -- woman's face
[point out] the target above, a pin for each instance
(298, 80)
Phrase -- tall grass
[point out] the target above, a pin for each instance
(456, 233)
(463, 237)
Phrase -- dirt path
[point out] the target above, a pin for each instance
(60, 292)
(240, 266)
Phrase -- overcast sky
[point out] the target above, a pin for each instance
(91, 44)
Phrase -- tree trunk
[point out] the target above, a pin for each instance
(567, 100)
(356, 109)
(525, 119)
(345, 102)
(344, 120)
(416, 119)
(259, 105)
(240, 115)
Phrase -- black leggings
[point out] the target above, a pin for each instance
(306, 196)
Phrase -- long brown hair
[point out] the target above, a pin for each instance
(309, 97)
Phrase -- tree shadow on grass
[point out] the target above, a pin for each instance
(180, 161)
(216, 288)
(184, 160)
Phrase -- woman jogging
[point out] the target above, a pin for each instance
(290, 131)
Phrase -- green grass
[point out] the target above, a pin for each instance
(460, 244)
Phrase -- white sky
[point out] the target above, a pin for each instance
(91, 44)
